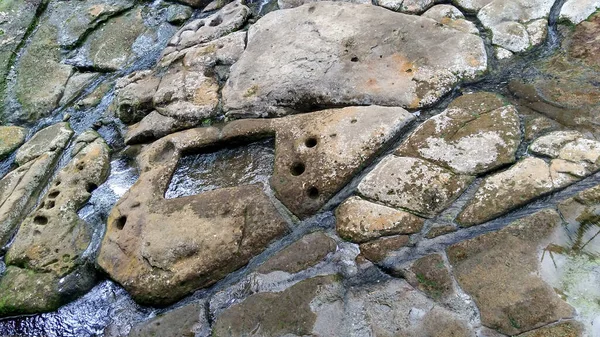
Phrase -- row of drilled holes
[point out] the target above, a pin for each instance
(298, 168)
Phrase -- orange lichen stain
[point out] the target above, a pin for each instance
(403, 65)
(415, 103)
(96, 10)
(474, 62)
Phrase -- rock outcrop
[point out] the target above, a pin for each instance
(11, 137)
(313, 56)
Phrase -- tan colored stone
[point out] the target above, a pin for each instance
(550, 145)
(11, 137)
(439, 231)
(563, 329)
(378, 249)
(413, 184)
(450, 16)
(430, 275)
(359, 221)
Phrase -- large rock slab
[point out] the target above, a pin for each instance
(576, 11)
(413, 184)
(209, 235)
(407, 6)
(20, 188)
(48, 251)
(313, 56)
(476, 134)
(359, 221)
(500, 270)
(11, 137)
(189, 320)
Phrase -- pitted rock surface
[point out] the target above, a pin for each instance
(51, 241)
(312, 55)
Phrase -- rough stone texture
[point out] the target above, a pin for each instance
(322, 306)
(77, 82)
(312, 55)
(516, 25)
(319, 153)
(471, 6)
(285, 4)
(11, 137)
(550, 145)
(430, 275)
(210, 234)
(564, 329)
(47, 252)
(187, 321)
(413, 184)
(377, 250)
(576, 11)
(475, 135)
(407, 6)
(439, 231)
(15, 19)
(500, 271)
(358, 220)
(300, 255)
(450, 16)
(178, 14)
(20, 188)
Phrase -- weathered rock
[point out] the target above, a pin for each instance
(186, 321)
(308, 60)
(178, 14)
(48, 249)
(407, 6)
(413, 184)
(430, 275)
(439, 231)
(377, 250)
(319, 153)
(15, 19)
(550, 145)
(194, 3)
(11, 137)
(134, 95)
(471, 5)
(450, 16)
(576, 11)
(285, 4)
(564, 329)
(210, 234)
(77, 82)
(230, 18)
(500, 271)
(300, 255)
(322, 306)
(359, 221)
(476, 134)
(20, 188)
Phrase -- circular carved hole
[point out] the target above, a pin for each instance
(50, 204)
(54, 194)
(297, 169)
(353, 120)
(57, 183)
(311, 142)
(80, 166)
(313, 192)
(354, 59)
(120, 223)
(90, 187)
(40, 220)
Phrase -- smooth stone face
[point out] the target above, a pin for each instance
(49, 245)
(413, 184)
(412, 67)
(319, 153)
(512, 22)
(210, 234)
(563, 329)
(300, 255)
(500, 272)
(576, 11)
(378, 249)
(450, 16)
(77, 82)
(186, 321)
(285, 4)
(11, 137)
(475, 138)
(20, 188)
(430, 275)
(359, 221)
(407, 6)
(178, 14)
(550, 145)
(471, 5)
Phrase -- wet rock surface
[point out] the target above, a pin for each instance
(294, 168)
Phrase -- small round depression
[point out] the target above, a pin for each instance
(310, 142)
(120, 223)
(40, 220)
(297, 169)
(312, 192)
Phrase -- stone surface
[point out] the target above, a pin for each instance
(178, 14)
(439, 231)
(413, 184)
(186, 321)
(471, 5)
(11, 137)
(500, 272)
(319, 153)
(377, 250)
(285, 4)
(210, 234)
(300, 255)
(576, 11)
(312, 55)
(77, 82)
(358, 220)
(450, 16)
(48, 250)
(20, 188)
(550, 145)
(565, 329)
(407, 6)
(516, 25)
(476, 134)
(430, 275)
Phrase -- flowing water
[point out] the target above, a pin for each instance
(570, 265)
